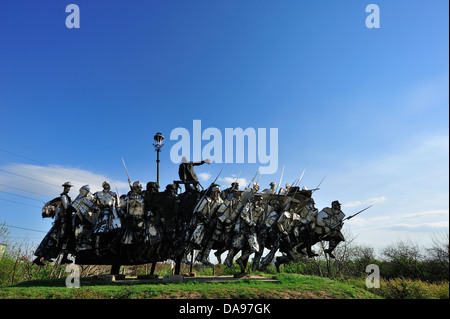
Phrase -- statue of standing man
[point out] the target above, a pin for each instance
(186, 171)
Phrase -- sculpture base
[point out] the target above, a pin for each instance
(110, 278)
(173, 278)
(147, 277)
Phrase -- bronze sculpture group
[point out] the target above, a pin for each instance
(149, 226)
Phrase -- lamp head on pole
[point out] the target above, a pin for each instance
(158, 141)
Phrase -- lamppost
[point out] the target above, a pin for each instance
(158, 145)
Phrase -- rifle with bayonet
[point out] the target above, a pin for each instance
(251, 182)
(206, 192)
(298, 181)
(277, 190)
(237, 177)
(129, 181)
(317, 187)
(342, 221)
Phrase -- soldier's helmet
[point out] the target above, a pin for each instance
(257, 197)
(137, 186)
(85, 189)
(171, 187)
(152, 186)
(106, 183)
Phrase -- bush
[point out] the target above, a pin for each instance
(402, 288)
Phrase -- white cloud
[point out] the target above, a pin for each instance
(48, 180)
(425, 227)
(370, 201)
(428, 213)
(204, 176)
(231, 179)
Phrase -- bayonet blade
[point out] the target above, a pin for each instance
(128, 175)
(279, 183)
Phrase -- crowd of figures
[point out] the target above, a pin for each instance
(149, 226)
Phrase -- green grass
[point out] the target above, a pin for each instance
(291, 286)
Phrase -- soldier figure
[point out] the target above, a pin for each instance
(304, 232)
(153, 226)
(133, 206)
(329, 221)
(109, 221)
(206, 218)
(186, 220)
(252, 215)
(235, 241)
(285, 223)
(60, 234)
(271, 190)
(255, 188)
(227, 194)
(86, 217)
(65, 240)
(168, 204)
(228, 213)
(284, 191)
(266, 231)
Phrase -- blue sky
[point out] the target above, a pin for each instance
(368, 108)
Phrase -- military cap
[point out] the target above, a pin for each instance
(336, 202)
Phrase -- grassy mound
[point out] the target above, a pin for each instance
(291, 286)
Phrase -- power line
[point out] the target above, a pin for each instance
(4, 170)
(27, 237)
(30, 159)
(40, 231)
(13, 201)
(24, 190)
(31, 168)
(39, 201)
(42, 163)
